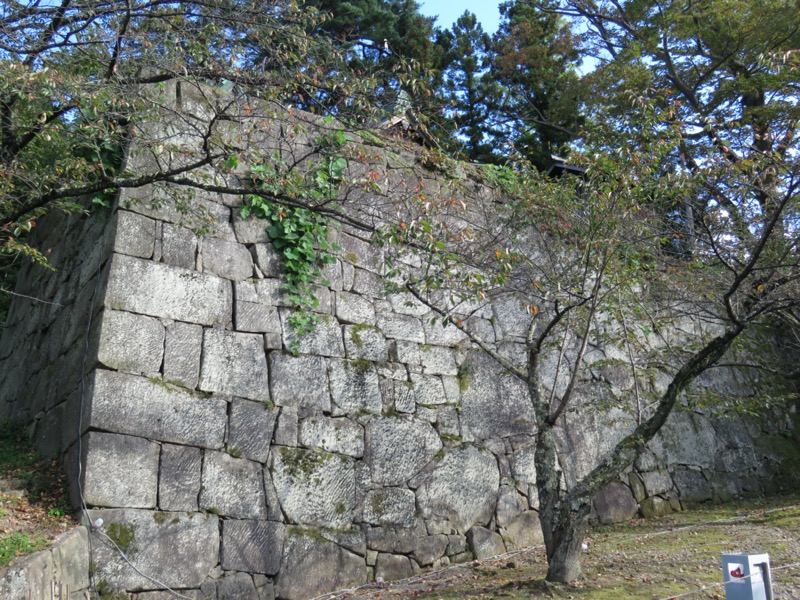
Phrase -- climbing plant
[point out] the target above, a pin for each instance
(299, 234)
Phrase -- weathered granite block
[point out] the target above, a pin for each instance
(251, 230)
(367, 283)
(300, 382)
(393, 566)
(354, 387)
(390, 539)
(406, 304)
(256, 318)
(614, 504)
(656, 482)
(324, 340)
(438, 360)
(341, 435)
(428, 389)
(252, 546)
(251, 427)
(312, 566)
(134, 234)
(119, 470)
(390, 507)
(430, 548)
(439, 335)
(151, 408)
(232, 487)
(180, 477)
(404, 397)
(462, 488)
(182, 350)
(71, 559)
(205, 209)
(178, 246)
(314, 488)
(262, 291)
(286, 430)
(492, 404)
(406, 352)
(353, 308)
(131, 343)
(398, 448)
(236, 586)
(360, 253)
(149, 540)
(510, 503)
(267, 259)
(159, 290)
(401, 327)
(234, 363)
(365, 342)
(485, 543)
(227, 259)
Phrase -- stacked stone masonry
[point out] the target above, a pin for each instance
(224, 466)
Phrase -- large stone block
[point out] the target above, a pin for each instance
(134, 234)
(615, 504)
(428, 390)
(300, 382)
(523, 531)
(430, 548)
(130, 343)
(149, 540)
(312, 566)
(493, 405)
(354, 387)
(365, 342)
(184, 345)
(438, 360)
(251, 428)
(462, 488)
(232, 487)
(227, 259)
(159, 290)
(151, 408)
(485, 543)
(180, 479)
(314, 488)
(71, 559)
(693, 486)
(353, 308)
(689, 440)
(399, 447)
(257, 318)
(390, 507)
(252, 546)
(325, 339)
(119, 471)
(656, 482)
(178, 246)
(393, 566)
(234, 363)
(401, 327)
(339, 435)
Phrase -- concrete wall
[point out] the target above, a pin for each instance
(224, 466)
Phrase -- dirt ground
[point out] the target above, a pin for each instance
(678, 556)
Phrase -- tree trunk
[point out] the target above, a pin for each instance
(563, 517)
(564, 553)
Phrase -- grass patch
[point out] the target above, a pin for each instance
(18, 544)
(29, 522)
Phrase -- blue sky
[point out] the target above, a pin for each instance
(448, 11)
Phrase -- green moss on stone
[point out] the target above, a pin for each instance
(122, 535)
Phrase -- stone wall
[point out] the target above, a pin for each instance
(60, 571)
(222, 465)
